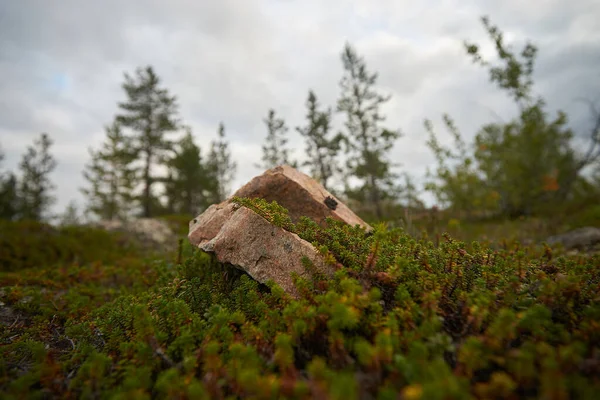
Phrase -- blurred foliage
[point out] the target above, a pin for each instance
(149, 114)
(526, 166)
(457, 183)
(368, 143)
(275, 150)
(189, 187)
(401, 318)
(179, 223)
(322, 148)
(31, 244)
(29, 195)
(221, 165)
(111, 175)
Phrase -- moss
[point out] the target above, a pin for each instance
(401, 317)
(272, 212)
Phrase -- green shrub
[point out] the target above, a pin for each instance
(178, 223)
(31, 244)
(401, 318)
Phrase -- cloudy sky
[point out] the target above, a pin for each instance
(62, 65)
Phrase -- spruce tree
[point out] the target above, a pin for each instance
(111, 176)
(321, 149)
(151, 113)
(275, 151)
(368, 143)
(9, 197)
(410, 194)
(221, 164)
(35, 187)
(190, 186)
(70, 217)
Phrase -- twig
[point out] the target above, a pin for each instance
(13, 324)
(159, 352)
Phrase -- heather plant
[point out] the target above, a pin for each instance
(400, 318)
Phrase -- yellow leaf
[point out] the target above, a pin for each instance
(411, 392)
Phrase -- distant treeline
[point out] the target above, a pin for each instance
(149, 163)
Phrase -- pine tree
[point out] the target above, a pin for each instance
(410, 194)
(9, 197)
(151, 113)
(321, 149)
(70, 217)
(35, 186)
(368, 143)
(222, 166)
(190, 185)
(274, 150)
(111, 176)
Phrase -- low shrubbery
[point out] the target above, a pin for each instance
(30, 244)
(400, 317)
(178, 223)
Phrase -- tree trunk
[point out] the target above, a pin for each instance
(147, 201)
(375, 198)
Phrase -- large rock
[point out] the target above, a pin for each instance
(300, 194)
(239, 236)
(290, 188)
(208, 224)
(581, 239)
(264, 251)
